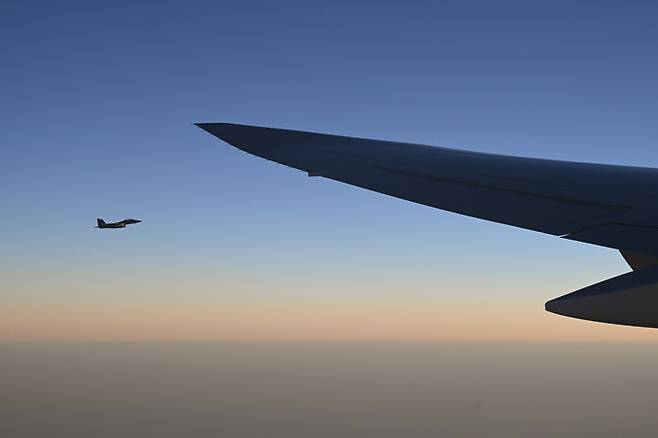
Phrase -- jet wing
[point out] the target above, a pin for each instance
(611, 206)
(605, 205)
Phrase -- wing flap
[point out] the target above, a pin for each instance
(627, 237)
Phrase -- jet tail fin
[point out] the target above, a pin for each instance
(100, 222)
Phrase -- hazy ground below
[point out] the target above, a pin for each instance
(328, 389)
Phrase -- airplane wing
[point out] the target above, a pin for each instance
(611, 206)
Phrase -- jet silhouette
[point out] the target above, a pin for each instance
(120, 224)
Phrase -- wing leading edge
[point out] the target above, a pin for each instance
(600, 204)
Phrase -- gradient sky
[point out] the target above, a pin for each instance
(97, 102)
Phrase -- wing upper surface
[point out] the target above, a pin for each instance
(600, 204)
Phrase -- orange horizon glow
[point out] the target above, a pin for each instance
(306, 323)
(90, 309)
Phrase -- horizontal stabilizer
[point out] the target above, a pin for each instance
(629, 299)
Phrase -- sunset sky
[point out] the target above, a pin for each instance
(98, 101)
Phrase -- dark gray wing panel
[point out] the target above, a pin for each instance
(629, 299)
(639, 239)
(555, 197)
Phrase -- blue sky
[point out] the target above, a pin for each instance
(99, 98)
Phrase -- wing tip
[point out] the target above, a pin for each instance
(220, 130)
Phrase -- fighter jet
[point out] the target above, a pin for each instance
(611, 206)
(120, 224)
